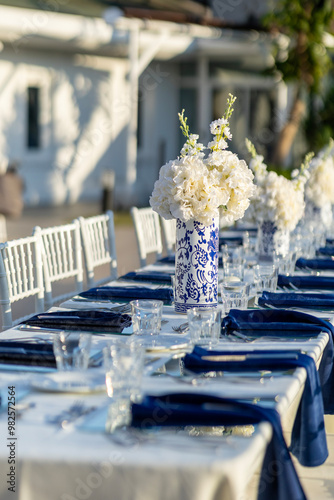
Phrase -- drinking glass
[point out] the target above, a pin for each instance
(72, 350)
(265, 277)
(123, 365)
(204, 325)
(234, 295)
(146, 316)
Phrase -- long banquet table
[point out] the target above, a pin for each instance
(81, 460)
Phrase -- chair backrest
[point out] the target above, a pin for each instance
(3, 229)
(20, 277)
(148, 232)
(62, 261)
(98, 245)
(169, 232)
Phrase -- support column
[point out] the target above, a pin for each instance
(131, 149)
(204, 100)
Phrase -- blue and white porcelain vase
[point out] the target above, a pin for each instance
(196, 265)
(271, 240)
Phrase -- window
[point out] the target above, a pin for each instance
(33, 139)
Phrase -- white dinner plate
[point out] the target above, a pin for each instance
(74, 382)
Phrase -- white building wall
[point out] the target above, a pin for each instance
(83, 116)
(159, 91)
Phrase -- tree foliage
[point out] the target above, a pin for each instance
(301, 55)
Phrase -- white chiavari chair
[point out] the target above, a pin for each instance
(148, 233)
(62, 261)
(20, 277)
(98, 245)
(3, 229)
(169, 233)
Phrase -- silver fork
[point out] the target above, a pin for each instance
(181, 328)
(66, 417)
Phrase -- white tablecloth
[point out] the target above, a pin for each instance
(81, 463)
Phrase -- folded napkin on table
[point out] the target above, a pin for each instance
(150, 276)
(27, 353)
(315, 264)
(83, 320)
(128, 293)
(277, 483)
(169, 259)
(327, 250)
(284, 322)
(308, 440)
(296, 299)
(307, 282)
(249, 229)
(225, 240)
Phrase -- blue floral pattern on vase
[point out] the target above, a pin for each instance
(270, 239)
(196, 265)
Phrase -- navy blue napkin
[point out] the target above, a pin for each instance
(296, 299)
(327, 250)
(277, 482)
(149, 276)
(307, 282)
(128, 293)
(225, 240)
(169, 259)
(83, 320)
(285, 322)
(27, 353)
(315, 264)
(249, 229)
(308, 440)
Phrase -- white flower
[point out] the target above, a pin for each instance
(217, 126)
(277, 199)
(320, 185)
(192, 187)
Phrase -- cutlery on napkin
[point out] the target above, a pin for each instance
(278, 483)
(308, 441)
(128, 293)
(83, 320)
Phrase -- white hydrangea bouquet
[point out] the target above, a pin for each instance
(319, 192)
(277, 199)
(319, 188)
(193, 187)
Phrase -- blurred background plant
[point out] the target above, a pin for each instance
(303, 55)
